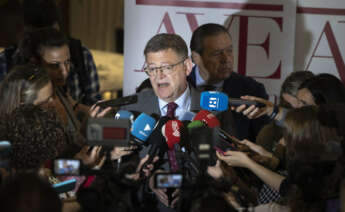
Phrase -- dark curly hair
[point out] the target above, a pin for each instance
(36, 136)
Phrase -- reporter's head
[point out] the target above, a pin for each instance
(29, 193)
(36, 135)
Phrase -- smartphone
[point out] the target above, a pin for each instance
(224, 141)
(218, 150)
(66, 167)
(65, 186)
(238, 102)
(168, 180)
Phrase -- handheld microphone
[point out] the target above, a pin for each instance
(171, 131)
(125, 114)
(119, 101)
(157, 141)
(201, 139)
(214, 100)
(221, 139)
(142, 128)
(195, 124)
(187, 116)
(208, 118)
(218, 101)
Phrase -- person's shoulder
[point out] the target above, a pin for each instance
(145, 99)
(245, 85)
(241, 78)
(146, 93)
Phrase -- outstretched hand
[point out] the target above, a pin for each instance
(96, 112)
(253, 112)
(235, 158)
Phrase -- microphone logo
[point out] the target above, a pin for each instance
(147, 128)
(175, 128)
(213, 102)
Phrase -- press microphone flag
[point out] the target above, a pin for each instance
(143, 126)
(172, 132)
(218, 101)
(208, 118)
(214, 100)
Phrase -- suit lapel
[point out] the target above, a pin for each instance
(195, 99)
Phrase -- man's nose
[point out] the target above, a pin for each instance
(64, 70)
(159, 73)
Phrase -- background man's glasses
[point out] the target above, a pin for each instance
(167, 69)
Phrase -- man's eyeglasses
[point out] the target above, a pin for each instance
(167, 69)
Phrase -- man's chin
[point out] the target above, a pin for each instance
(223, 74)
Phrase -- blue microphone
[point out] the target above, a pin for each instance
(125, 114)
(214, 100)
(218, 101)
(142, 128)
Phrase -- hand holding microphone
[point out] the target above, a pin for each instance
(218, 101)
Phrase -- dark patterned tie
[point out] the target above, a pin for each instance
(171, 152)
(171, 109)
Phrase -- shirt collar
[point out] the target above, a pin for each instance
(183, 102)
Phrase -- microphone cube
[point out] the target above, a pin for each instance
(214, 101)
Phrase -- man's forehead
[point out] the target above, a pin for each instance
(166, 55)
(217, 40)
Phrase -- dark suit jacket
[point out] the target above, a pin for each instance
(236, 86)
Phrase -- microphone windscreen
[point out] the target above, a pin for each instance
(195, 124)
(156, 136)
(214, 100)
(187, 116)
(125, 114)
(208, 118)
(172, 131)
(143, 126)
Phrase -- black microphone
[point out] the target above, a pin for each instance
(119, 101)
(157, 142)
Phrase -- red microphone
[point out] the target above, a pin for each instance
(208, 118)
(172, 132)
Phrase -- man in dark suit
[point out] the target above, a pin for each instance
(212, 52)
(167, 66)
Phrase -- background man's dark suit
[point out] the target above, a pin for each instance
(236, 86)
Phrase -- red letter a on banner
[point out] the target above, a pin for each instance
(339, 62)
(167, 23)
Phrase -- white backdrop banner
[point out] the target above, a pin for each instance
(320, 40)
(263, 34)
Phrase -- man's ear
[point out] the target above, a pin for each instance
(188, 65)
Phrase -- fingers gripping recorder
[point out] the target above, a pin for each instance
(218, 101)
(120, 131)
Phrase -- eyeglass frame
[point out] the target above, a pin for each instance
(162, 68)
